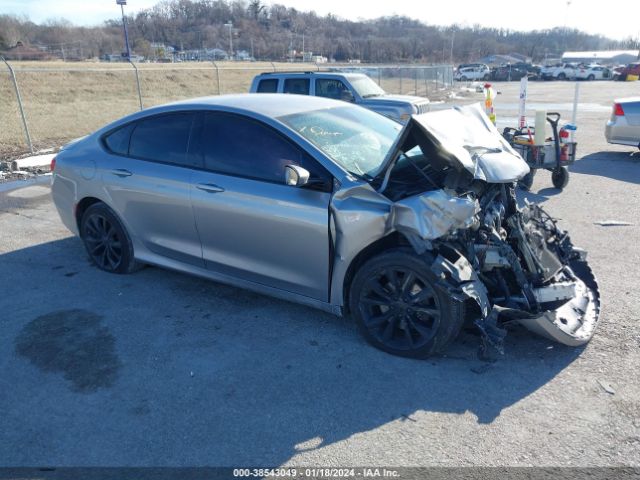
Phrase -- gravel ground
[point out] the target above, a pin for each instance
(162, 369)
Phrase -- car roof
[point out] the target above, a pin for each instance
(267, 104)
(315, 74)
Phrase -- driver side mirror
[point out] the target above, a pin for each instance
(296, 176)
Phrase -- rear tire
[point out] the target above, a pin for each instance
(560, 177)
(106, 240)
(400, 308)
(562, 76)
(463, 79)
(591, 77)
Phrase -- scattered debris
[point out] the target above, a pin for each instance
(613, 223)
(607, 387)
(191, 374)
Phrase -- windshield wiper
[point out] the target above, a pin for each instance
(369, 95)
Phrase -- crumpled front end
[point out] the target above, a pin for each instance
(506, 263)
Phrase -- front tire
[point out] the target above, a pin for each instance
(400, 308)
(106, 240)
(591, 77)
(562, 76)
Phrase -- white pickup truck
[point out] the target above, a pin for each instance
(560, 71)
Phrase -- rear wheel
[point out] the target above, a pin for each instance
(560, 177)
(399, 307)
(463, 78)
(562, 76)
(106, 240)
(591, 77)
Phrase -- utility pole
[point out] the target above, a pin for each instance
(566, 14)
(122, 3)
(230, 26)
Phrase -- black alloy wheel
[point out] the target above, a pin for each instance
(399, 308)
(106, 240)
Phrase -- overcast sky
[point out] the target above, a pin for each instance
(618, 19)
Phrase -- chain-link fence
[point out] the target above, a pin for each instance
(46, 104)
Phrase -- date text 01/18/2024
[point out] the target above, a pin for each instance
(328, 473)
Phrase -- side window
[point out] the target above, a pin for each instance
(235, 145)
(331, 88)
(163, 138)
(297, 86)
(268, 86)
(118, 141)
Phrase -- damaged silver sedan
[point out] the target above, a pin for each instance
(412, 230)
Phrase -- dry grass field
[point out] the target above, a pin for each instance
(63, 101)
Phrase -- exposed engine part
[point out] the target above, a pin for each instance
(555, 292)
(518, 267)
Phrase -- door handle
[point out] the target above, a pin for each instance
(121, 172)
(209, 187)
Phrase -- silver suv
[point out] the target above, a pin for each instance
(350, 87)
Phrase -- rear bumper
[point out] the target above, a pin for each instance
(620, 133)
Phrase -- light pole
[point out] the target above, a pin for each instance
(122, 3)
(230, 25)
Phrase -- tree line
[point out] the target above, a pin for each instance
(269, 32)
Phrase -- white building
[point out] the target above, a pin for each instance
(605, 57)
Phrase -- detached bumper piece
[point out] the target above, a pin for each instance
(574, 322)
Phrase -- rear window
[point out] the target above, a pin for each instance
(268, 86)
(297, 86)
(118, 142)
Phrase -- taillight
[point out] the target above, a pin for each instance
(617, 110)
(53, 164)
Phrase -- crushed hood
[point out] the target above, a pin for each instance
(472, 142)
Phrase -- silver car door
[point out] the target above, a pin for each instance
(149, 185)
(253, 226)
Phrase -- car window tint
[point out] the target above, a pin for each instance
(163, 138)
(330, 88)
(268, 86)
(297, 86)
(118, 141)
(239, 146)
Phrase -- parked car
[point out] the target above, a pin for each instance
(409, 229)
(508, 73)
(470, 65)
(560, 71)
(350, 87)
(593, 72)
(624, 126)
(621, 73)
(480, 72)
